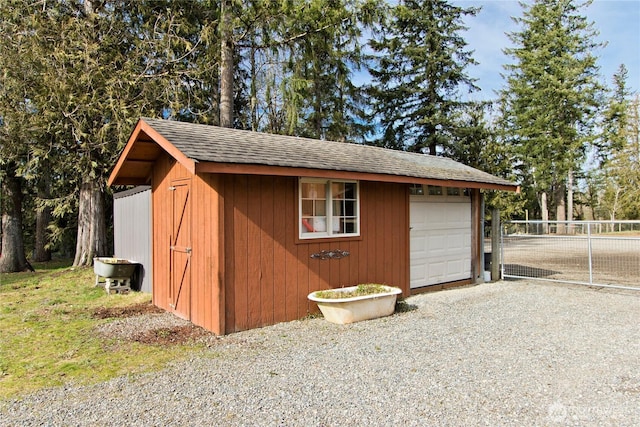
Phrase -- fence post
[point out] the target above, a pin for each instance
(590, 253)
(495, 245)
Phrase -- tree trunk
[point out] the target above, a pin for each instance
(13, 258)
(226, 65)
(570, 200)
(254, 90)
(92, 232)
(43, 217)
(544, 212)
(561, 215)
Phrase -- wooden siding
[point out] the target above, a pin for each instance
(248, 268)
(269, 272)
(165, 171)
(205, 288)
(208, 254)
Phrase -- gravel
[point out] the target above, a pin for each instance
(507, 353)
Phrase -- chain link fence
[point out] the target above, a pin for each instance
(598, 253)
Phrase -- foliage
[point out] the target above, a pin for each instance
(80, 74)
(360, 290)
(48, 335)
(551, 96)
(417, 68)
(620, 177)
(77, 74)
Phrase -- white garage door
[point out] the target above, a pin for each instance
(440, 241)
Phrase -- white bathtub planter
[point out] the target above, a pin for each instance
(356, 303)
(117, 273)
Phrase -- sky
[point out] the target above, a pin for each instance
(617, 21)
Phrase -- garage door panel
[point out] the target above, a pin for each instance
(440, 242)
(419, 247)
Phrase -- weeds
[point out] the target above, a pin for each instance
(360, 290)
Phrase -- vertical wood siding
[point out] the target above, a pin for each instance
(269, 273)
(165, 171)
(249, 269)
(208, 254)
(207, 257)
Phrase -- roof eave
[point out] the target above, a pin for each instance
(256, 169)
(144, 127)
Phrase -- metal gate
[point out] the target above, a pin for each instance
(594, 253)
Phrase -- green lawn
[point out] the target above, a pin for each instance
(48, 338)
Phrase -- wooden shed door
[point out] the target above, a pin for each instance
(180, 249)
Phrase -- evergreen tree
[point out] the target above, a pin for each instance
(323, 51)
(615, 118)
(16, 135)
(550, 98)
(418, 68)
(92, 69)
(620, 153)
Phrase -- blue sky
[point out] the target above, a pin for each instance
(617, 21)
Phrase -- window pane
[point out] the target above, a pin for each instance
(416, 190)
(307, 208)
(337, 190)
(320, 224)
(349, 225)
(350, 190)
(452, 191)
(338, 208)
(313, 190)
(349, 208)
(306, 225)
(321, 207)
(435, 191)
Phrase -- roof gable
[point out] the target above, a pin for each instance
(215, 149)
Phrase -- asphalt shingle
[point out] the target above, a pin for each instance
(204, 143)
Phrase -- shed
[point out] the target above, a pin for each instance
(246, 224)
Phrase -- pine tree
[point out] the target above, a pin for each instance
(619, 150)
(418, 69)
(551, 97)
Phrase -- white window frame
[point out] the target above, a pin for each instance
(328, 232)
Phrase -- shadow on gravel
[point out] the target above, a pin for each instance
(527, 271)
(404, 307)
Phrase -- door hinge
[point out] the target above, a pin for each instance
(172, 188)
(188, 250)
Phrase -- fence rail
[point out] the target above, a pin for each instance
(595, 253)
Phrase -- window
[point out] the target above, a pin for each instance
(435, 190)
(329, 208)
(416, 190)
(453, 191)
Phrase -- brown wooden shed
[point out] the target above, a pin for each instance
(246, 224)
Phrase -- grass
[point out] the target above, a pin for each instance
(47, 332)
(360, 290)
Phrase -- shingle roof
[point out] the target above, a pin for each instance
(204, 143)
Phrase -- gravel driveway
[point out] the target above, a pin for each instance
(508, 353)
